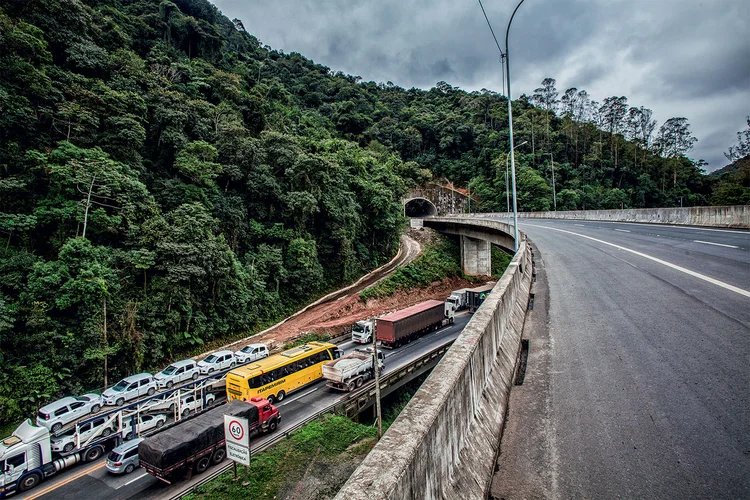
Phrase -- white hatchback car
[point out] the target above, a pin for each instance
(220, 360)
(177, 372)
(145, 423)
(252, 352)
(93, 429)
(135, 386)
(63, 411)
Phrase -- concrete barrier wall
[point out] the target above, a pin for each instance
(737, 216)
(444, 443)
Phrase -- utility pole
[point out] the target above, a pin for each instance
(554, 195)
(507, 195)
(106, 347)
(378, 413)
(510, 131)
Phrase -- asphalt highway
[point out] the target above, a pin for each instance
(93, 482)
(642, 383)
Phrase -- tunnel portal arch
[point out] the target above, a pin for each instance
(419, 207)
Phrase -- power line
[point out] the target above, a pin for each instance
(502, 54)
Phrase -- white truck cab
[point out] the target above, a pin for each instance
(22, 456)
(458, 299)
(362, 331)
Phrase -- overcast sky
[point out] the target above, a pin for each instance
(678, 57)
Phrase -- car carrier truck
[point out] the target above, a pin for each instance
(191, 447)
(350, 371)
(27, 457)
(403, 326)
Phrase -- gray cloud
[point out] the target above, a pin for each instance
(679, 57)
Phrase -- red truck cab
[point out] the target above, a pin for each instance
(268, 414)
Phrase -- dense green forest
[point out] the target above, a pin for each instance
(166, 180)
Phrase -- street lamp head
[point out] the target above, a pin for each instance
(524, 142)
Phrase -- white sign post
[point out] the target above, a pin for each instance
(237, 436)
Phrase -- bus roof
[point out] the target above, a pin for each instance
(281, 359)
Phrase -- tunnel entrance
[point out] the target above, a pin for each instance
(419, 207)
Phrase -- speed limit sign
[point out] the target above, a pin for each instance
(237, 438)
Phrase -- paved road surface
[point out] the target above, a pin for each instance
(639, 375)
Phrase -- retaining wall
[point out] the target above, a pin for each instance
(444, 443)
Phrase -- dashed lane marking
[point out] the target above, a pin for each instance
(717, 244)
(622, 230)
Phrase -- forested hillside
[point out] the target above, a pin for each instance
(166, 180)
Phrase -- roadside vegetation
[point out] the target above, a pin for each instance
(439, 259)
(500, 261)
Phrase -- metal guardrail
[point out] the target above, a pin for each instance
(354, 400)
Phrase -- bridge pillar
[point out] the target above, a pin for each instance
(476, 256)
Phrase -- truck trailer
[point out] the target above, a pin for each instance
(403, 326)
(350, 371)
(476, 296)
(193, 446)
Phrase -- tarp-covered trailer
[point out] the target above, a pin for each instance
(477, 295)
(199, 442)
(402, 326)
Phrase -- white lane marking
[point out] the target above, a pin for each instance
(133, 480)
(580, 225)
(664, 225)
(297, 397)
(659, 261)
(717, 244)
(622, 230)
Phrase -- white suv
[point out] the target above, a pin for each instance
(252, 352)
(144, 423)
(177, 372)
(189, 403)
(67, 442)
(63, 411)
(219, 360)
(135, 386)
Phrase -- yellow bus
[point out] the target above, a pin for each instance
(276, 376)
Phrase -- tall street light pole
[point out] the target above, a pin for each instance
(554, 195)
(510, 131)
(507, 196)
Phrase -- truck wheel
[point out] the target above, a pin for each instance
(130, 468)
(28, 482)
(202, 464)
(93, 454)
(271, 399)
(280, 396)
(273, 425)
(219, 455)
(56, 427)
(350, 385)
(359, 382)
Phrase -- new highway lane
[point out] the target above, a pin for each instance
(642, 383)
(93, 482)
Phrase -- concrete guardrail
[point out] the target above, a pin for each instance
(444, 443)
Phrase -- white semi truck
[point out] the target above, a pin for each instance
(458, 299)
(362, 331)
(352, 370)
(26, 457)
